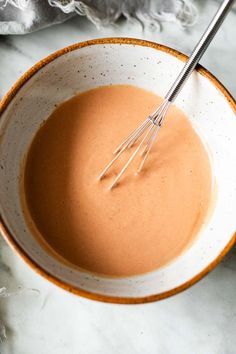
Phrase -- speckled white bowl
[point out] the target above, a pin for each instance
(119, 61)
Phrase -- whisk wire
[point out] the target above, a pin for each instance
(148, 147)
(131, 158)
(136, 132)
(151, 126)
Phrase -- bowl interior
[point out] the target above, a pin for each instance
(149, 68)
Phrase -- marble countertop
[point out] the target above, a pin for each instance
(48, 320)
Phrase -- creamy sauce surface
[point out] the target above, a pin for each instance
(148, 219)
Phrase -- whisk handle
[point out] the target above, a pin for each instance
(199, 50)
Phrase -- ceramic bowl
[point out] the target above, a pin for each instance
(150, 66)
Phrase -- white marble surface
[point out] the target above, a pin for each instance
(201, 320)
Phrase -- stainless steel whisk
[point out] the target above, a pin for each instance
(149, 129)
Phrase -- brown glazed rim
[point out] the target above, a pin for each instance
(13, 243)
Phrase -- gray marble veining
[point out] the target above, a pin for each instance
(201, 320)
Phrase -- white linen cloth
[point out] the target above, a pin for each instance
(23, 16)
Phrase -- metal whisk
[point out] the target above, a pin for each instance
(149, 129)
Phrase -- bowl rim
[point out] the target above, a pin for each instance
(19, 250)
